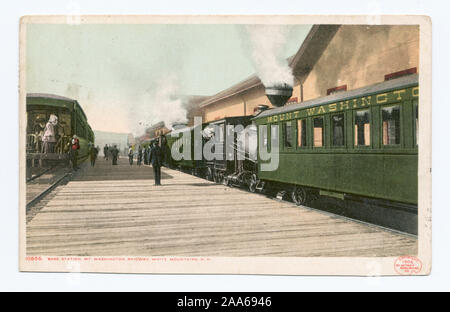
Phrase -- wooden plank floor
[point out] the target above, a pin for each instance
(116, 210)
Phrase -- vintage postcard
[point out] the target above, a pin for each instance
(285, 145)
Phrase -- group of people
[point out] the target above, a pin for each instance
(142, 155)
(151, 154)
(111, 151)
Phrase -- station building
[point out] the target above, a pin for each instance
(153, 132)
(332, 58)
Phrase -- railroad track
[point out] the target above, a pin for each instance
(46, 190)
(40, 185)
(37, 175)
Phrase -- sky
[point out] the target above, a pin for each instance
(127, 76)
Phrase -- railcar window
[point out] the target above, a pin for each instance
(274, 138)
(263, 134)
(338, 129)
(301, 134)
(362, 128)
(65, 122)
(318, 132)
(417, 123)
(287, 131)
(390, 117)
(35, 130)
(221, 133)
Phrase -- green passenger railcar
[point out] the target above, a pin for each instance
(71, 120)
(361, 142)
(177, 140)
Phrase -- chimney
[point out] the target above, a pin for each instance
(279, 94)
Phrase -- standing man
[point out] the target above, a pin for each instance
(93, 154)
(156, 160)
(74, 147)
(114, 154)
(139, 160)
(150, 146)
(105, 151)
(146, 155)
(130, 155)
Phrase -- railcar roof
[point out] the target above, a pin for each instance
(50, 96)
(405, 81)
(231, 118)
(57, 97)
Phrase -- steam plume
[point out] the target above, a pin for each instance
(266, 44)
(162, 102)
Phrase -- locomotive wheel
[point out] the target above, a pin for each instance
(298, 195)
(253, 182)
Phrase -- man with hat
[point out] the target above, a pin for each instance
(156, 160)
(115, 154)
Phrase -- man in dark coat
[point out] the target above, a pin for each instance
(93, 152)
(156, 157)
(114, 153)
(105, 151)
(146, 155)
(139, 160)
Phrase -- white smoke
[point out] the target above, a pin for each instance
(266, 44)
(161, 102)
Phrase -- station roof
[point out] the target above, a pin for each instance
(301, 63)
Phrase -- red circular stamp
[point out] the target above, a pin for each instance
(407, 265)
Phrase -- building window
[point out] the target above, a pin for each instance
(390, 117)
(318, 132)
(301, 134)
(401, 73)
(287, 131)
(362, 128)
(338, 129)
(336, 89)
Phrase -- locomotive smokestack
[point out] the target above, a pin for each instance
(278, 94)
(179, 125)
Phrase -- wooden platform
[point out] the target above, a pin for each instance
(116, 210)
